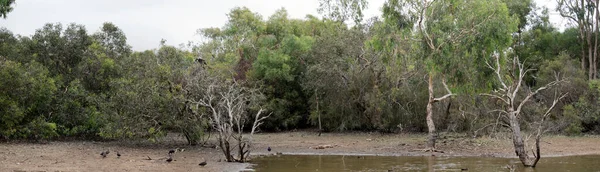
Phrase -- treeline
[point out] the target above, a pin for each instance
(308, 73)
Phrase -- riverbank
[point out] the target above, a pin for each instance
(412, 144)
(85, 155)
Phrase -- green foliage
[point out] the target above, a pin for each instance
(5, 7)
(574, 122)
(39, 129)
(467, 32)
(342, 10)
(25, 91)
(586, 114)
(64, 81)
(519, 9)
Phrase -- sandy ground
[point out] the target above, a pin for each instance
(85, 155)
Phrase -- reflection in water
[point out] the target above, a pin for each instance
(283, 163)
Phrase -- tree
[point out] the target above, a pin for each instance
(451, 33)
(343, 10)
(520, 9)
(227, 102)
(5, 7)
(60, 50)
(114, 41)
(25, 94)
(509, 95)
(585, 14)
(334, 72)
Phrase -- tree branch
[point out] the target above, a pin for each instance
(496, 96)
(445, 96)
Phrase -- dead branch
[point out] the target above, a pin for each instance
(508, 94)
(445, 96)
(258, 120)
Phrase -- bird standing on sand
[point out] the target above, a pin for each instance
(203, 163)
(269, 148)
(171, 152)
(170, 159)
(118, 154)
(105, 153)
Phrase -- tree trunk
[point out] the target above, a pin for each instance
(595, 32)
(318, 112)
(430, 124)
(226, 150)
(589, 54)
(519, 144)
(582, 42)
(447, 116)
(241, 148)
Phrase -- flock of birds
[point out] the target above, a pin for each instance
(170, 155)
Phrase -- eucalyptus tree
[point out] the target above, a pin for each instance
(510, 94)
(343, 10)
(520, 9)
(450, 34)
(584, 14)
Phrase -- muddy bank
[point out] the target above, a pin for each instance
(412, 145)
(85, 155)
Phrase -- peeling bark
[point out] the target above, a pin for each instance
(432, 136)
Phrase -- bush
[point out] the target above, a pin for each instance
(39, 129)
(25, 93)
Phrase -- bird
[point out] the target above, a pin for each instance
(170, 159)
(203, 163)
(171, 151)
(269, 148)
(118, 154)
(105, 153)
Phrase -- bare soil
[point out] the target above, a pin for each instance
(85, 155)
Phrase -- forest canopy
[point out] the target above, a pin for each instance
(339, 72)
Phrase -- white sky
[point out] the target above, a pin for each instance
(146, 22)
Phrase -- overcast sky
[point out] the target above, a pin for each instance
(146, 22)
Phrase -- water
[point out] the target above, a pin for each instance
(332, 163)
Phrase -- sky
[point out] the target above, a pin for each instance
(146, 22)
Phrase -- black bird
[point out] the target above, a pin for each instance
(203, 163)
(269, 148)
(171, 151)
(118, 154)
(170, 159)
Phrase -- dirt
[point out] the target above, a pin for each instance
(85, 155)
